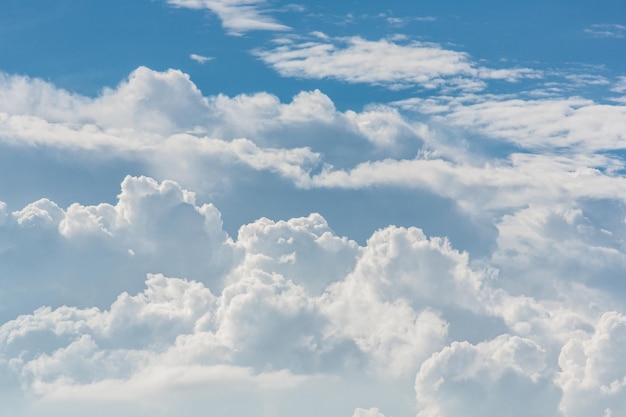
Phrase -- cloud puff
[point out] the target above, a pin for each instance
(503, 375)
(42, 212)
(237, 16)
(200, 59)
(384, 62)
(540, 242)
(371, 412)
(304, 250)
(592, 376)
(153, 227)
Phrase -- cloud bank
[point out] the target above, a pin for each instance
(168, 312)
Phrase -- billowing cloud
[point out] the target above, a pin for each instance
(288, 307)
(503, 375)
(592, 377)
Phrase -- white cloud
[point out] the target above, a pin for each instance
(3, 212)
(371, 412)
(237, 16)
(544, 124)
(620, 85)
(593, 377)
(502, 376)
(200, 59)
(42, 212)
(288, 305)
(539, 243)
(304, 250)
(202, 141)
(287, 312)
(606, 30)
(384, 62)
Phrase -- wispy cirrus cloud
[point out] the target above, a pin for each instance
(620, 85)
(384, 62)
(607, 30)
(237, 16)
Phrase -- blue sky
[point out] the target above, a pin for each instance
(249, 207)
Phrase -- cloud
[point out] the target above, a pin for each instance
(503, 375)
(592, 377)
(371, 412)
(175, 334)
(429, 144)
(383, 62)
(540, 242)
(3, 212)
(620, 85)
(103, 249)
(289, 307)
(200, 59)
(606, 30)
(403, 21)
(238, 16)
(139, 120)
(553, 123)
(40, 213)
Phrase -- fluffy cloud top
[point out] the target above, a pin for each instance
(287, 308)
(289, 305)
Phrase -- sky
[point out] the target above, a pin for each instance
(349, 209)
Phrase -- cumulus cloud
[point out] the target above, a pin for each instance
(288, 303)
(592, 377)
(42, 212)
(503, 375)
(153, 227)
(289, 307)
(259, 321)
(384, 62)
(3, 212)
(541, 242)
(139, 120)
(178, 138)
(238, 16)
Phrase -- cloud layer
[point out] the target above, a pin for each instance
(146, 305)
(287, 307)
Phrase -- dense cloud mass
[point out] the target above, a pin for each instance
(289, 302)
(164, 251)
